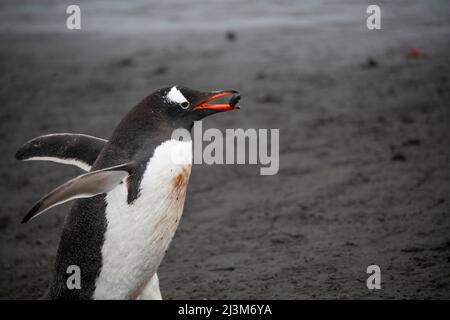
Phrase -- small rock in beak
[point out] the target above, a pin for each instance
(234, 100)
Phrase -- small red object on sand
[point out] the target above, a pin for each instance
(414, 53)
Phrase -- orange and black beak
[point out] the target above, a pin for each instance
(231, 105)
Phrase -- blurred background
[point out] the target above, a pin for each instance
(364, 119)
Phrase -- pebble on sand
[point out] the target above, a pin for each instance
(126, 62)
(161, 70)
(399, 157)
(231, 36)
(370, 63)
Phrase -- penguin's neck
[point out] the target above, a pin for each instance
(142, 131)
(136, 139)
(168, 153)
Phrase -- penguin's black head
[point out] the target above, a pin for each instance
(184, 106)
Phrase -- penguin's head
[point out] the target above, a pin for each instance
(184, 105)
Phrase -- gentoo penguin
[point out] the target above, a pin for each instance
(128, 206)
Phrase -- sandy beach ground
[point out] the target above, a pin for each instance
(364, 139)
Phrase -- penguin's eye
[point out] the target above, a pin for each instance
(184, 105)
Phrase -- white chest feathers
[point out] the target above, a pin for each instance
(138, 235)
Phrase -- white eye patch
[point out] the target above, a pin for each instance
(175, 95)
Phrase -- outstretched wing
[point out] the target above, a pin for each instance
(75, 149)
(84, 186)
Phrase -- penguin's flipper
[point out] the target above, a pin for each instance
(84, 186)
(74, 149)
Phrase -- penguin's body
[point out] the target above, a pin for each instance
(130, 203)
(158, 208)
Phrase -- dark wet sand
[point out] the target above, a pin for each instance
(364, 152)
